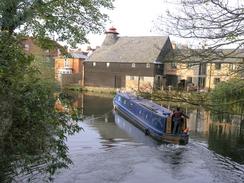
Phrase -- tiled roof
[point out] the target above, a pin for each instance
(78, 55)
(198, 55)
(74, 55)
(145, 49)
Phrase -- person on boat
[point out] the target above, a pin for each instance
(177, 117)
(173, 119)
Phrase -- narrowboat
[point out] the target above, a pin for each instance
(150, 117)
(133, 131)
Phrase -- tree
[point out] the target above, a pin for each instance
(33, 130)
(66, 20)
(209, 28)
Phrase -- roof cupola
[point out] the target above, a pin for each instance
(111, 38)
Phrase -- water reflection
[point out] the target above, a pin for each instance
(223, 137)
(133, 131)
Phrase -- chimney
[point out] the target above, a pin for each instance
(88, 48)
(111, 38)
(185, 47)
(173, 44)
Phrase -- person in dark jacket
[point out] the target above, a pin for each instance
(177, 116)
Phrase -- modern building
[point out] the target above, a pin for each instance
(200, 73)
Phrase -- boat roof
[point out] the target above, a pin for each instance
(146, 103)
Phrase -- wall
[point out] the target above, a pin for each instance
(114, 75)
(67, 79)
(145, 86)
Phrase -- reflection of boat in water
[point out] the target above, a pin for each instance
(153, 119)
(133, 131)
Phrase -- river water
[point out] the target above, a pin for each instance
(111, 150)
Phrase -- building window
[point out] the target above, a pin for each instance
(232, 67)
(159, 66)
(148, 65)
(190, 65)
(94, 63)
(217, 66)
(66, 63)
(141, 78)
(107, 64)
(203, 68)
(132, 78)
(189, 79)
(27, 47)
(216, 80)
(173, 65)
(133, 65)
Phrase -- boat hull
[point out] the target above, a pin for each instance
(152, 119)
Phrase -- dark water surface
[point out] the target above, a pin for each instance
(111, 150)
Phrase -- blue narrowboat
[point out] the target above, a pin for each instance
(150, 117)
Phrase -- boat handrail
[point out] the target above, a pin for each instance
(149, 107)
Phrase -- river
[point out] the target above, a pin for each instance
(111, 150)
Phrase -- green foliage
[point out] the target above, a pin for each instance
(66, 20)
(228, 97)
(36, 130)
(33, 130)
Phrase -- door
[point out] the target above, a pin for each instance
(117, 82)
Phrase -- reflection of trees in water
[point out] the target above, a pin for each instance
(227, 141)
(35, 142)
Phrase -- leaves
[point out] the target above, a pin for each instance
(33, 129)
(66, 20)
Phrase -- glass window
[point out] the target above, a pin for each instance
(107, 64)
(190, 65)
(132, 78)
(232, 67)
(141, 78)
(189, 79)
(27, 47)
(133, 65)
(159, 66)
(66, 63)
(203, 68)
(119, 98)
(124, 102)
(216, 80)
(173, 65)
(131, 106)
(94, 63)
(217, 66)
(148, 65)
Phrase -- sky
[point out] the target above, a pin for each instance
(131, 18)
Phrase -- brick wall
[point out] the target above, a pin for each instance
(67, 79)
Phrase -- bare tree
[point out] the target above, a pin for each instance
(213, 31)
(208, 27)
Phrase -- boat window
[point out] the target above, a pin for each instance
(146, 115)
(124, 102)
(131, 105)
(119, 98)
(140, 112)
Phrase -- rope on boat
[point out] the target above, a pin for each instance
(94, 118)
